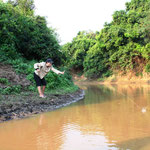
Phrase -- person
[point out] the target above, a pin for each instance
(41, 69)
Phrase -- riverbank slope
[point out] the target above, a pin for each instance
(18, 101)
(119, 78)
(22, 106)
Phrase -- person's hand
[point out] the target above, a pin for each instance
(38, 70)
(62, 72)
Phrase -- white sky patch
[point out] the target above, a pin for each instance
(69, 17)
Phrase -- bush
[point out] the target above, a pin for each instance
(4, 81)
(11, 89)
(54, 81)
(147, 68)
(96, 62)
(76, 51)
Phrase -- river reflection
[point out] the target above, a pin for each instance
(109, 118)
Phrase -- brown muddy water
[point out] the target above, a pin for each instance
(114, 117)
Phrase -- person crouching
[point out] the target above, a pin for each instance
(41, 69)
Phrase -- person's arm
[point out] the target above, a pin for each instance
(57, 71)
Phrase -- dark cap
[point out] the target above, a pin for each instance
(49, 60)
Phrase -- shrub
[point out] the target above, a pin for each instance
(11, 89)
(147, 68)
(4, 81)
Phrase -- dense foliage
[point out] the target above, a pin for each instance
(25, 39)
(24, 34)
(76, 51)
(123, 44)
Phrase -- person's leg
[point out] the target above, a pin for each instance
(44, 85)
(40, 91)
(38, 84)
(43, 89)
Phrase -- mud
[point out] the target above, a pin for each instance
(16, 107)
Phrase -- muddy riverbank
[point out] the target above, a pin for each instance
(16, 107)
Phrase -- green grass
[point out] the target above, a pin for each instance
(63, 90)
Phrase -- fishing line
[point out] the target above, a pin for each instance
(143, 110)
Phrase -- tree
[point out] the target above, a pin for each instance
(28, 36)
(121, 45)
(25, 6)
(76, 50)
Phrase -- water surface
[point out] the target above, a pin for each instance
(109, 118)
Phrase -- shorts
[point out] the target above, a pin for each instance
(39, 81)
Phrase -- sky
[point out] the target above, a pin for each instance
(69, 17)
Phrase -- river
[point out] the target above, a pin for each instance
(110, 117)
